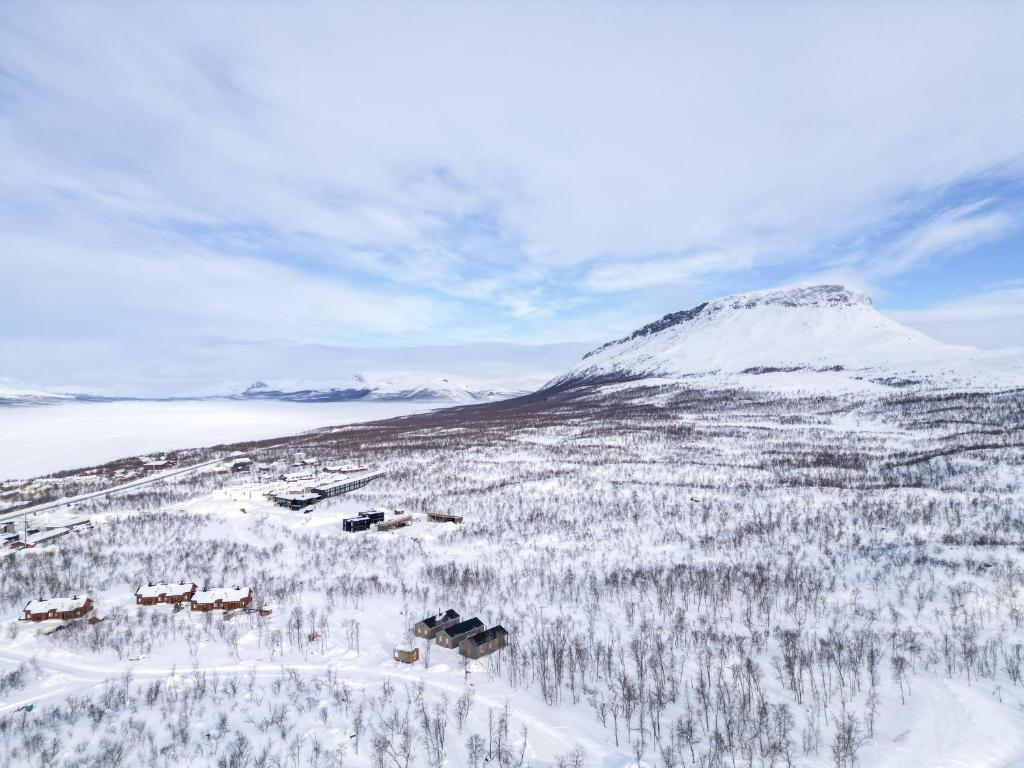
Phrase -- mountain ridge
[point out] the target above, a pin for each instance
(823, 335)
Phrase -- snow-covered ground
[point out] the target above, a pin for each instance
(794, 564)
(689, 577)
(35, 440)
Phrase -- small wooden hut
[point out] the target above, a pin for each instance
(409, 656)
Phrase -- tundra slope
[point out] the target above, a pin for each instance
(692, 575)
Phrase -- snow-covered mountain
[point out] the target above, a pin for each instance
(809, 337)
(13, 392)
(379, 386)
(389, 386)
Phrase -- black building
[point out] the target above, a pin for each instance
(295, 500)
(353, 524)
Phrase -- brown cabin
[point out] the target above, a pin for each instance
(484, 643)
(157, 594)
(449, 637)
(58, 608)
(222, 599)
(431, 625)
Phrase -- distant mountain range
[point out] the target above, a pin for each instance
(360, 387)
(820, 337)
(817, 337)
(394, 386)
(456, 373)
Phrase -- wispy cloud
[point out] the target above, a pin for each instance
(303, 175)
(946, 233)
(635, 275)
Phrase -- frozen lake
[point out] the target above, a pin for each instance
(35, 440)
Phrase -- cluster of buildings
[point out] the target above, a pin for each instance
(385, 520)
(158, 462)
(23, 536)
(15, 492)
(467, 635)
(302, 496)
(215, 599)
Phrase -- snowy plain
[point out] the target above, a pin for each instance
(845, 571)
(35, 440)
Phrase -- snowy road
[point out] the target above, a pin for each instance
(107, 491)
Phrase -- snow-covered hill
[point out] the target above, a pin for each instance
(810, 337)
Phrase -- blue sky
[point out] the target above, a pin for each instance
(176, 177)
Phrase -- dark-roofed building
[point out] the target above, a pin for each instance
(295, 500)
(483, 643)
(431, 625)
(353, 524)
(449, 637)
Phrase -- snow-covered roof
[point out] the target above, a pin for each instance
(72, 522)
(298, 476)
(172, 590)
(450, 615)
(56, 604)
(347, 479)
(225, 594)
(53, 533)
